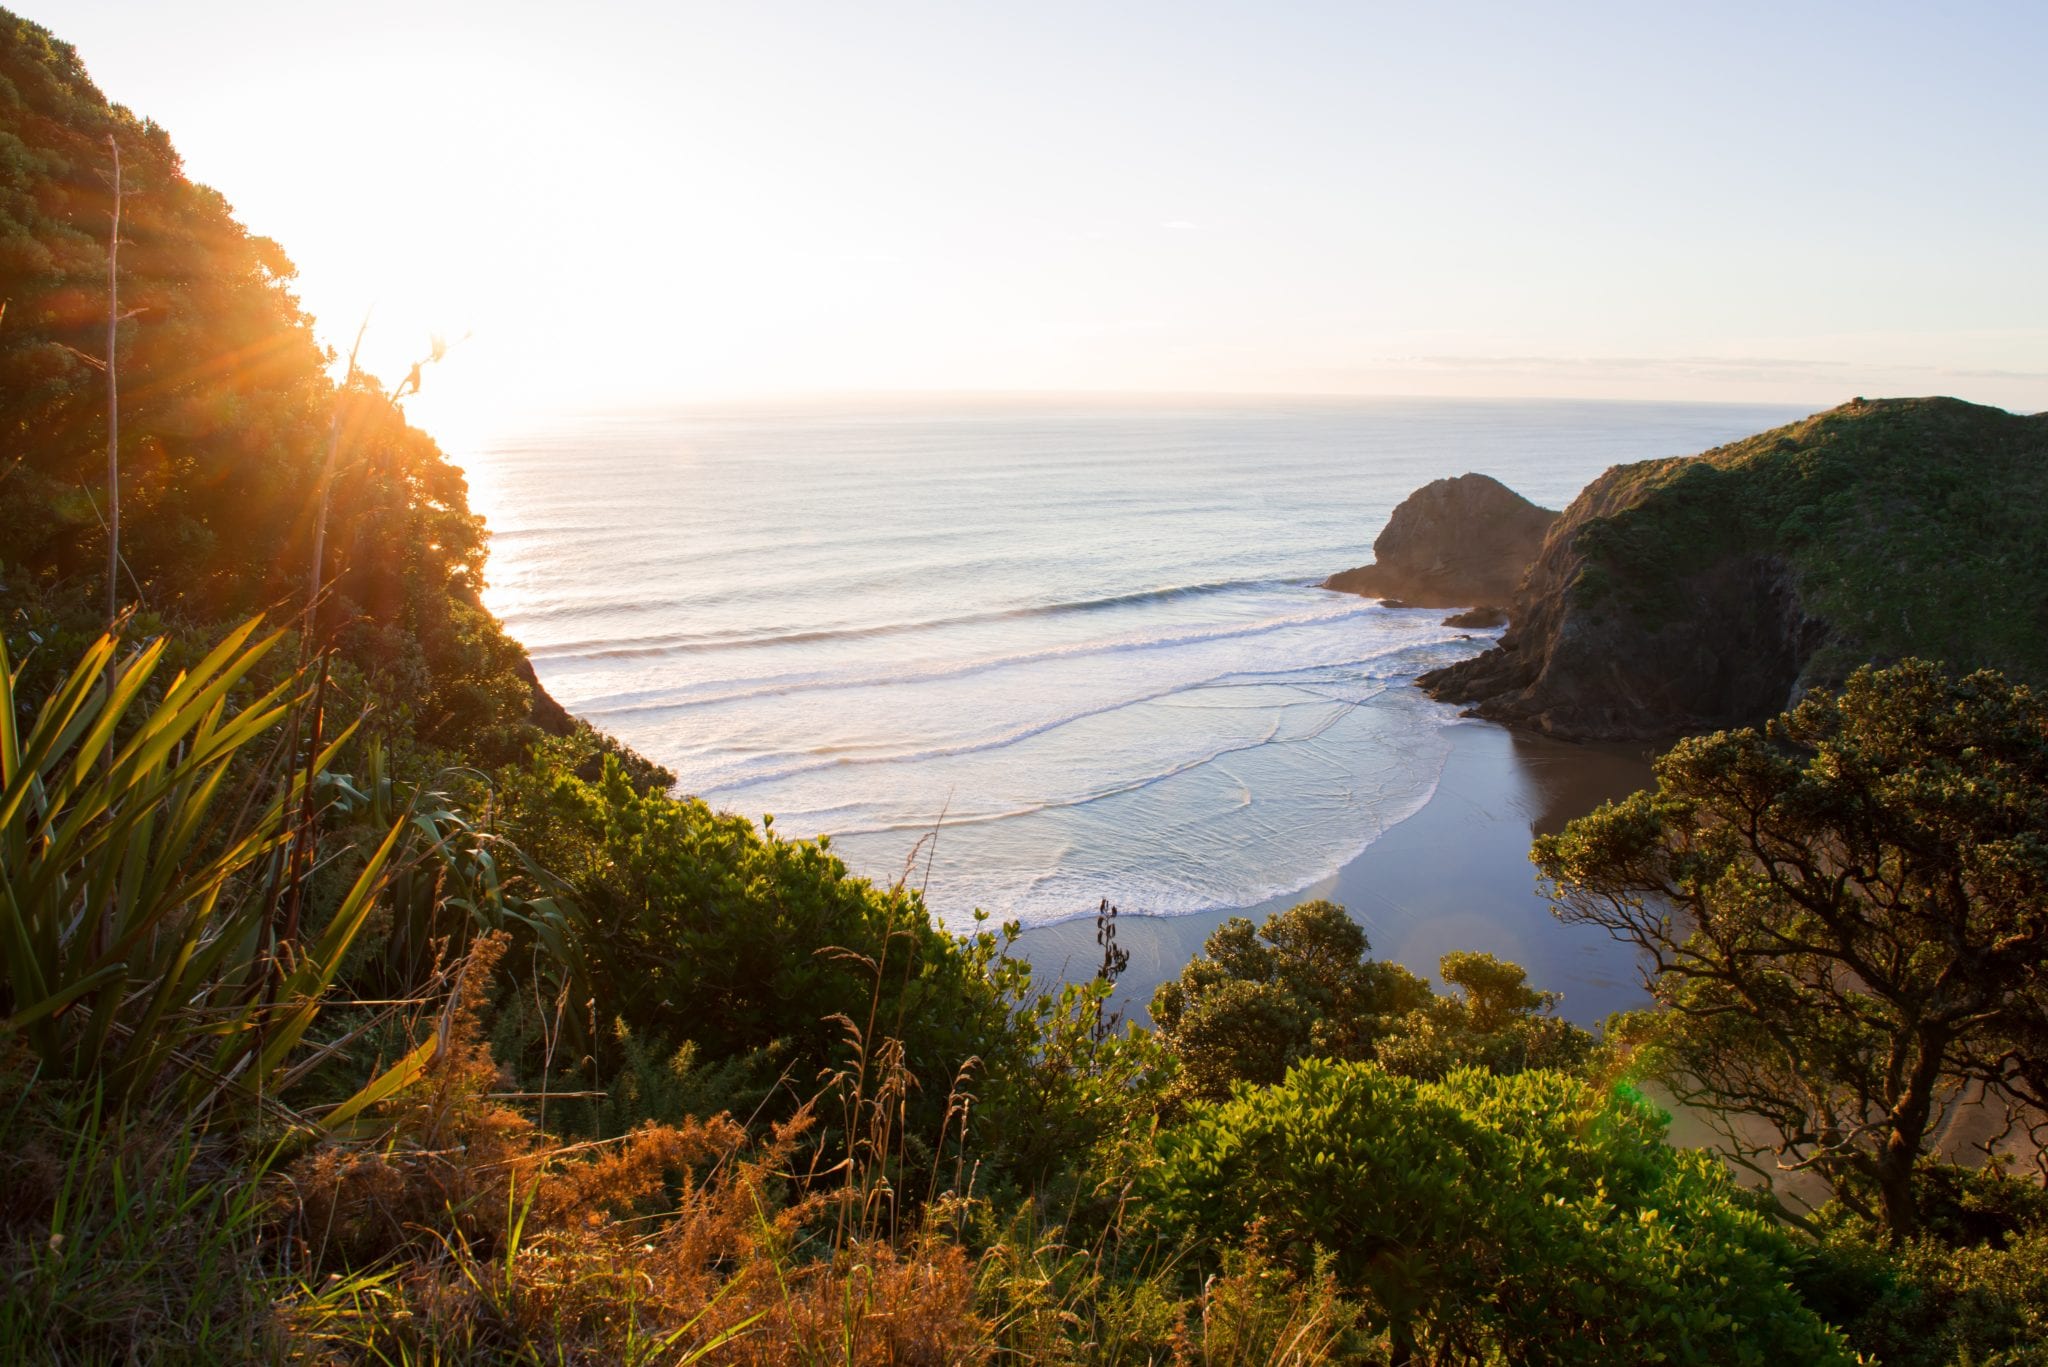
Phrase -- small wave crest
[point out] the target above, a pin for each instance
(678, 643)
(722, 691)
(1066, 894)
(1003, 741)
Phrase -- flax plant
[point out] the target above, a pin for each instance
(140, 837)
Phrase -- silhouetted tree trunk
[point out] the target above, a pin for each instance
(114, 397)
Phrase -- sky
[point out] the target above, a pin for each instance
(630, 203)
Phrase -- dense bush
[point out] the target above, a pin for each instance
(1495, 1021)
(695, 927)
(1256, 1000)
(1532, 1217)
(227, 413)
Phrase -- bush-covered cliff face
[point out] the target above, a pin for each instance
(226, 409)
(1695, 593)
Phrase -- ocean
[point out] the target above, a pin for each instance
(1025, 655)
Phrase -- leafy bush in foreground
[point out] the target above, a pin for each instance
(154, 872)
(697, 928)
(1529, 1217)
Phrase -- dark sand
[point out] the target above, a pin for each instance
(1456, 875)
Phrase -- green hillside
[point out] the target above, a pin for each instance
(1683, 595)
(227, 411)
(1914, 527)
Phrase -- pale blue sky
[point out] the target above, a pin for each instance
(638, 201)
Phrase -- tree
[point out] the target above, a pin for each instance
(1258, 999)
(1846, 916)
(1496, 1022)
(228, 448)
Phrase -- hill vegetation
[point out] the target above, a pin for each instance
(348, 1014)
(1686, 594)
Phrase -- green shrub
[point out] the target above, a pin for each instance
(1971, 1289)
(1258, 999)
(696, 928)
(1530, 1217)
(1496, 1022)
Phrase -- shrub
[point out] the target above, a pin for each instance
(1496, 1022)
(1529, 1217)
(1257, 1000)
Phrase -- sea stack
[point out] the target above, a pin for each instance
(1453, 543)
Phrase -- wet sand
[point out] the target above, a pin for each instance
(1456, 875)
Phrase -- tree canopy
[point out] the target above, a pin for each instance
(1846, 915)
(226, 413)
(1257, 999)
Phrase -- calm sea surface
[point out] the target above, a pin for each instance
(1082, 640)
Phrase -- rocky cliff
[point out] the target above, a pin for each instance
(1454, 543)
(1684, 595)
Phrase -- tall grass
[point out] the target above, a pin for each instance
(125, 1239)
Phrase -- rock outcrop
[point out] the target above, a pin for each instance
(1678, 596)
(1454, 543)
(1731, 657)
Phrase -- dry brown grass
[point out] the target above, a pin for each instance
(469, 1234)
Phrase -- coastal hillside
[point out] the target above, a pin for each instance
(233, 439)
(1687, 594)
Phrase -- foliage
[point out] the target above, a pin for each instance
(1846, 914)
(677, 1242)
(1254, 1003)
(1057, 1097)
(1054, 1300)
(122, 1238)
(226, 410)
(1529, 1217)
(739, 1106)
(144, 896)
(222, 373)
(1971, 1288)
(1257, 1000)
(763, 956)
(455, 875)
(1257, 1312)
(1496, 1022)
(695, 927)
(1911, 526)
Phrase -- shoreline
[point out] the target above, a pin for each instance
(1454, 875)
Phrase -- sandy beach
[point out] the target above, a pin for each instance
(1456, 875)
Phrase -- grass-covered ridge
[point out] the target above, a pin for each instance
(1911, 526)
